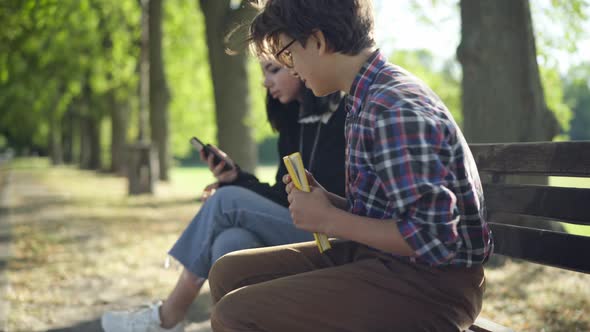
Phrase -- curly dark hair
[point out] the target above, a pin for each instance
(346, 24)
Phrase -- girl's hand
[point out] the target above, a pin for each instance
(217, 170)
(209, 191)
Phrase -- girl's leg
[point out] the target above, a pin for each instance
(234, 207)
(233, 239)
(232, 219)
(174, 309)
(230, 207)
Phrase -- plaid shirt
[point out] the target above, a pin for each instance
(407, 160)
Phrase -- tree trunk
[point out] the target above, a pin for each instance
(85, 142)
(142, 168)
(503, 99)
(141, 165)
(55, 142)
(68, 135)
(95, 161)
(159, 93)
(144, 73)
(230, 85)
(90, 131)
(119, 123)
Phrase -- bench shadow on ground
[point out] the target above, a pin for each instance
(198, 319)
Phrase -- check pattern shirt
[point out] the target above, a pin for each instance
(408, 162)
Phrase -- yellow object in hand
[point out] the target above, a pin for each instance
(294, 165)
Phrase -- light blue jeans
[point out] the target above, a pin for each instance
(234, 218)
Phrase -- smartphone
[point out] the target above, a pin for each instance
(206, 148)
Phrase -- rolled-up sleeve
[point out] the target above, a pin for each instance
(409, 154)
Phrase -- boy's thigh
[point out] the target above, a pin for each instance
(247, 267)
(360, 296)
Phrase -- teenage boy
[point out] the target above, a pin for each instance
(413, 215)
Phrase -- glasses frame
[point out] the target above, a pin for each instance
(278, 54)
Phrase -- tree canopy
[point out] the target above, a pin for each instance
(62, 61)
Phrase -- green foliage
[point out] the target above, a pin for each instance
(51, 49)
(558, 27)
(445, 81)
(61, 56)
(192, 106)
(577, 96)
(553, 89)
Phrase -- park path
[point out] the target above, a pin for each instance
(5, 249)
(20, 194)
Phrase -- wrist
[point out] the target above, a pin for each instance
(337, 201)
(330, 216)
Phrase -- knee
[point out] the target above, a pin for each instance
(224, 275)
(228, 194)
(233, 239)
(230, 313)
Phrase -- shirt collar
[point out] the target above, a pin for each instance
(362, 82)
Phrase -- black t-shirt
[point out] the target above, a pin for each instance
(328, 158)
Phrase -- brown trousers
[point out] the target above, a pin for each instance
(350, 288)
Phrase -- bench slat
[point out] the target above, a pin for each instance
(523, 221)
(560, 250)
(537, 158)
(564, 204)
(528, 204)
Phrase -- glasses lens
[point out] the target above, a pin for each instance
(287, 59)
(284, 56)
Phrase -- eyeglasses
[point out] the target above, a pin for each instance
(284, 56)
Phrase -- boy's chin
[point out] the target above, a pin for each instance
(321, 91)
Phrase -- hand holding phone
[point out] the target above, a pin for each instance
(208, 149)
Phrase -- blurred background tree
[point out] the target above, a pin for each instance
(69, 77)
(577, 96)
(66, 67)
(229, 74)
(501, 82)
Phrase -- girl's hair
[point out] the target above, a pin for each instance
(283, 117)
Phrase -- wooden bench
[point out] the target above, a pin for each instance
(511, 203)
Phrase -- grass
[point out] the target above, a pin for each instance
(196, 178)
(82, 246)
(572, 183)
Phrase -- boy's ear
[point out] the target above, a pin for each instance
(319, 41)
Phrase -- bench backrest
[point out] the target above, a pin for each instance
(507, 203)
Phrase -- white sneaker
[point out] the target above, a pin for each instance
(142, 320)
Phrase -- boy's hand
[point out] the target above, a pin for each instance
(310, 179)
(308, 210)
(217, 170)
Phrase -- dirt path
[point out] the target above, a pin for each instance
(5, 247)
(78, 251)
(80, 246)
